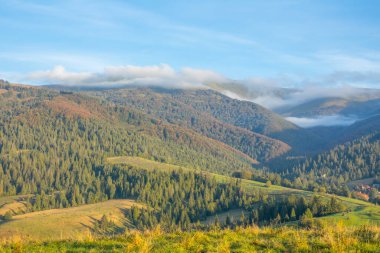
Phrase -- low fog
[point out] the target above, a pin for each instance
(276, 94)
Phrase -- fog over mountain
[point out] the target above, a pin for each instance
(330, 120)
(306, 103)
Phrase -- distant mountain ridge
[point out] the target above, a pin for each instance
(179, 107)
(248, 127)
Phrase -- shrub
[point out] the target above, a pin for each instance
(8, 216)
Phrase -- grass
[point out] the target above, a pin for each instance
(64, 223)
(15, 204)
(336, 238)
(361, 212)
(359, 216)
(139, 162)
(142, 163)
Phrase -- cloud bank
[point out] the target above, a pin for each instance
(277, 98)
(332, 120)
(278, 94)
(157, 75)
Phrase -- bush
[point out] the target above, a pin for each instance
(8, 216)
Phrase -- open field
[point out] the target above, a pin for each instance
(142, 163)
(15, 204)
(361, 212)
(64, 223)
(334, 238)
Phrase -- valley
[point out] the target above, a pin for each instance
(85, 164)
(189, 126)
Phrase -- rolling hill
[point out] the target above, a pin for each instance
(360, 107)
(79, 155)
(79, 222)
(35, 112)
(179, 107)
(66, 223)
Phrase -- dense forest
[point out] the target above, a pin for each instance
(184, 108)
(331, 171)
(54, 148)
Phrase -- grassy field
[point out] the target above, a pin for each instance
(64, 223)
(334, 238)
(15, 204)
(143, 163)
(361, 212)
(139, 162)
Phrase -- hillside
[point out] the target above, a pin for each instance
(81, 155)
(361, 106)
(359, 128)
(332, 170)
(81, 222)
(244, 114)
(181, 108)
(66, 223)
(361, 212)
(40, 114)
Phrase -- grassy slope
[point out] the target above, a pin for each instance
(76, 222)
(15, 204)
(329, 239)
(361, 212)
(64, 223)
(143, 163)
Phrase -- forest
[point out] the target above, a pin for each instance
(55, 148)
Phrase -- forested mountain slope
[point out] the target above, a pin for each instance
(360, 107)
(334, 169)
(360, 128)
(244, 114)
(56, 148)
(169, 106)
(51, 141)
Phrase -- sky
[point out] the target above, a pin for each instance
(289, 42)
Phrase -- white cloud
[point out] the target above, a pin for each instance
(273, 101)
(201, 75)
(59, 75)
(278, 98)
(332, 120)
(158, 75)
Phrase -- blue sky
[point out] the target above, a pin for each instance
(290, 42)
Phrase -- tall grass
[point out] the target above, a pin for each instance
(331, 238)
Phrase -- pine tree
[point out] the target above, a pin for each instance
(293, 215)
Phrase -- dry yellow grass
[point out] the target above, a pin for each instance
(2, 91)
(15, 204)
(64, 223)
(15, 207)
